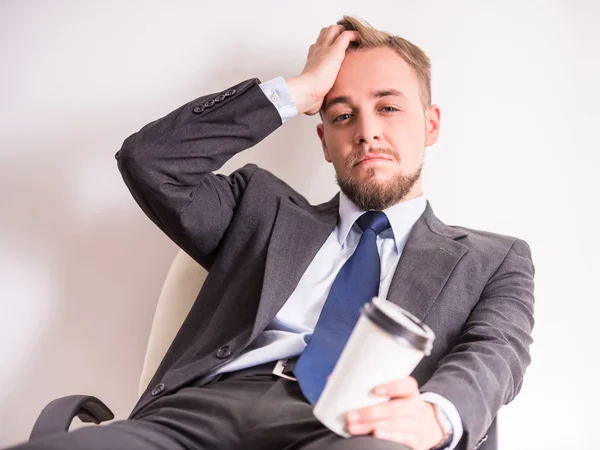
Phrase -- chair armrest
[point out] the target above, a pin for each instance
(58, 414)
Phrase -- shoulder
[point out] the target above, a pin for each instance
(264, 185)
(490, 249)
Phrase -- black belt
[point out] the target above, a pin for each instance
(283, 368)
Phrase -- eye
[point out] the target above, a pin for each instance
(342, 117)
(390, 109)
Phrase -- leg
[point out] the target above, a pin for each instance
(201, 418)
(123, 435)
(334, 442)
(283, 420)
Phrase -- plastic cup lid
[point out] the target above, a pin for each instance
(400, 323)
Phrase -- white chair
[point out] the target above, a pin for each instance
(182, 284)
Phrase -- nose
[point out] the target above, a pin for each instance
(368, 130)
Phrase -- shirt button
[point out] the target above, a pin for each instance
(274, 97)
(224, 352)
(158, 389)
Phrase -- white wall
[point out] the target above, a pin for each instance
(81, 266)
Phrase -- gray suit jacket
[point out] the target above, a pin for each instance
(257, 236)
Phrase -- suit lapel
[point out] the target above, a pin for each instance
(429, 257)
(298, 234)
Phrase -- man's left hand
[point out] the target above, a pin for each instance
(405, 418)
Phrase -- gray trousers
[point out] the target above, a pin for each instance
(236, 411)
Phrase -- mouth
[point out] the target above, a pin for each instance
(372, 158)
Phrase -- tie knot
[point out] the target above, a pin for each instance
(375, 220)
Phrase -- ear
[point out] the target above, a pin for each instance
(321, 134)
(432, 125)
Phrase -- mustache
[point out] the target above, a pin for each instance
(355, 157)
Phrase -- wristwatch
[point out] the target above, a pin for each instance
(446, 427)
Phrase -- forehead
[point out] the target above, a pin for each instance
(366, 70)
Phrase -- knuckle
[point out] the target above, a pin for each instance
(412, 383)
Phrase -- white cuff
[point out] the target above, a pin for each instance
(450, 411)
(278, 93)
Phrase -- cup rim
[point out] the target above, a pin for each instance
(378, 316)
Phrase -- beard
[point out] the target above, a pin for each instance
(374, 195)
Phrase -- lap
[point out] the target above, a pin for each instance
(122, 435)
(257, 411)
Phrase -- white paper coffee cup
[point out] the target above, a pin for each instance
(386, 344)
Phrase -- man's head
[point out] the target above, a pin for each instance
(378, 118)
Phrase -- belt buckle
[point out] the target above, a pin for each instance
(280, 367)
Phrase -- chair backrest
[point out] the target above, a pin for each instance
(182, 284)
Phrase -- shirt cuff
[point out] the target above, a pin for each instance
(450, 411)
(278, 93)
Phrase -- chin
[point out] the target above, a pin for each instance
(374, 176)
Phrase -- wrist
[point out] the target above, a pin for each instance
(442, 437)
(302, 94)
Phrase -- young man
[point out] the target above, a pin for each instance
(274, 261)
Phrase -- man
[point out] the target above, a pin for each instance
(274, 261)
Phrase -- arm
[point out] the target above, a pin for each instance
(483, 371)
(487, 363)
(168, 165)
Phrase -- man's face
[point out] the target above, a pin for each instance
(375, 130)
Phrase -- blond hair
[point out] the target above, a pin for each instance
(416, 58)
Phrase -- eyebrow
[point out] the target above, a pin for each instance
(344, 99)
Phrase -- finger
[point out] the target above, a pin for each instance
(403, 426)
(359, 429)
(404, 387)
(344, 39)
(397, 408)
(323, 34)
(332, 33)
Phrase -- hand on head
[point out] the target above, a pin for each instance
(323, 63)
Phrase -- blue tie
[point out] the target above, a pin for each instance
(355, 284)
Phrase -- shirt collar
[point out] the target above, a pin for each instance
(402, 217)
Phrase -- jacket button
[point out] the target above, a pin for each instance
(219, 98)
(224, 352)
(158, 389)
(230, 92)
(198, 109)
(209, 103)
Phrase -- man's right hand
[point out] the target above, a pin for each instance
(320, 71)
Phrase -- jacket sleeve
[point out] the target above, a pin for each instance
(485, 368)
(168, 165)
